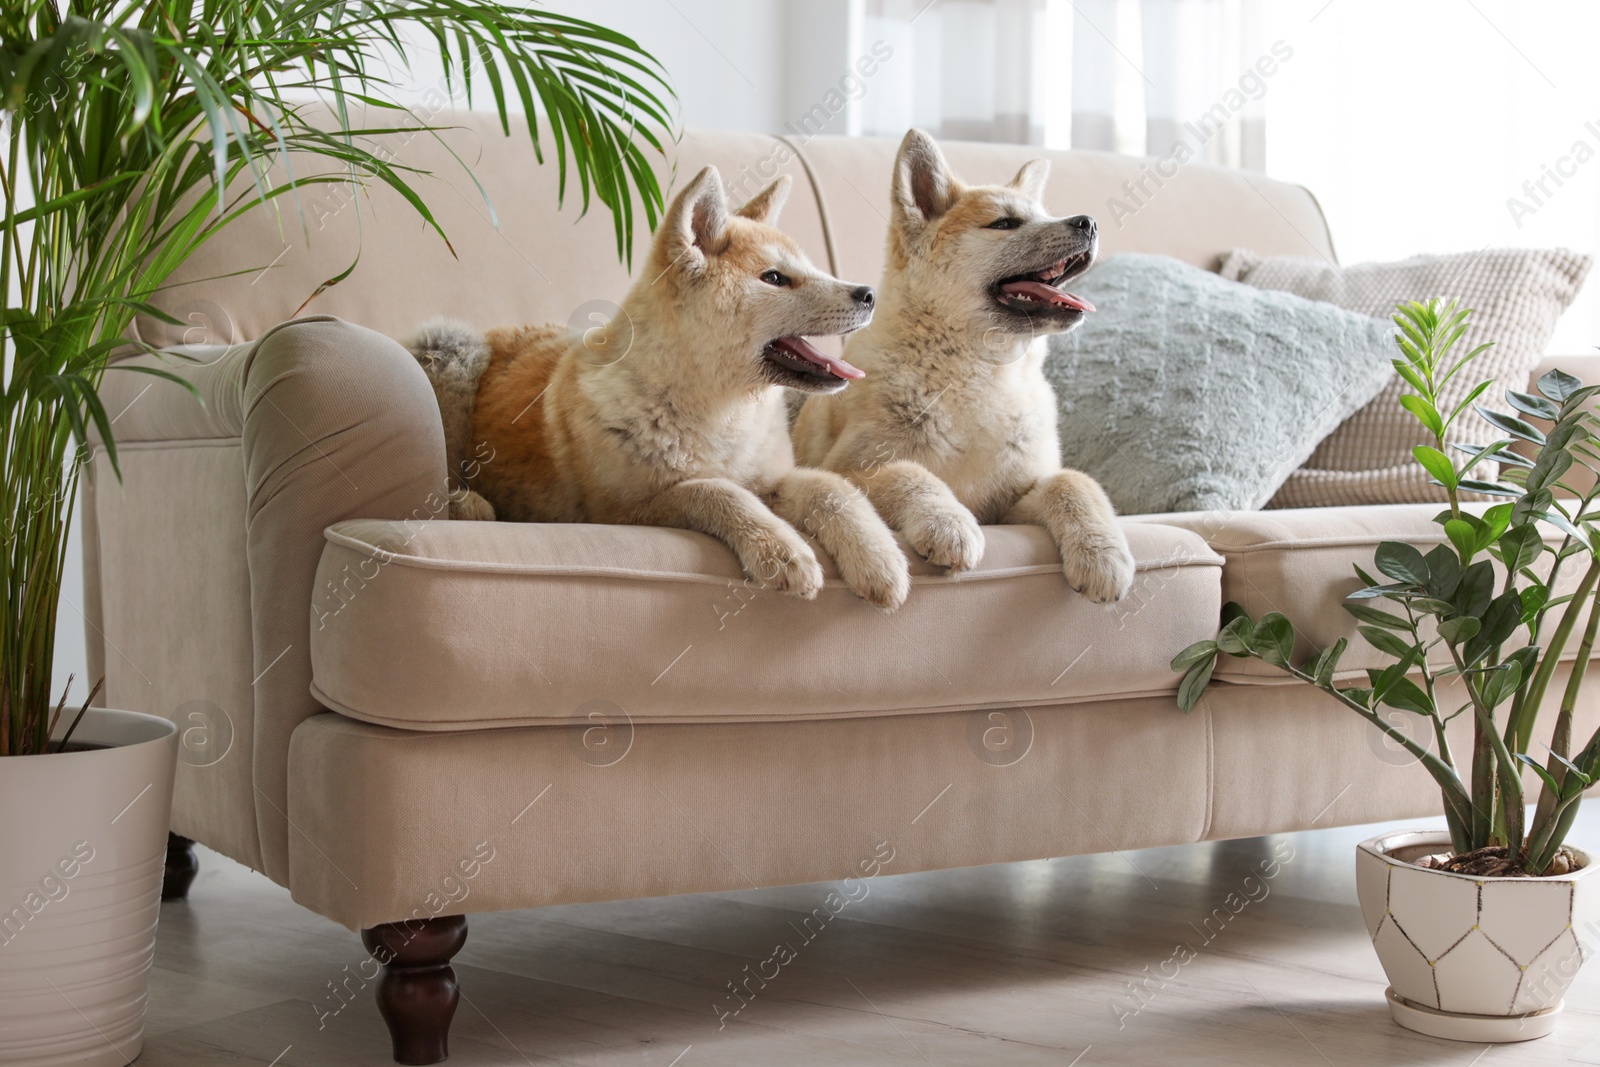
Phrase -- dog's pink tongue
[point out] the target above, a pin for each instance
(803, 349)
(1048, 293)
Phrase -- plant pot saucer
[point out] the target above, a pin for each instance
(1482, 1029)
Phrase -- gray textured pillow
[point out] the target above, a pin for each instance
(1188, 392)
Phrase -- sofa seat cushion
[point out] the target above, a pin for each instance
(1299, 562)
(443, 625)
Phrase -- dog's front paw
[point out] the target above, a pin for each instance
(946, 538)
(1101, 570)
(466, 504)
(781, 560)
(876, 569)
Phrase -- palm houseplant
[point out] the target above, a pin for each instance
(1474, 924)
(134, 134)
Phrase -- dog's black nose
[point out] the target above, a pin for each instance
(863, 294)
(1083, 222)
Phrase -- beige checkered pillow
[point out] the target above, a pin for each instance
(1516, 295)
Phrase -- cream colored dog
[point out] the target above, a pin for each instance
(955, 424)
(673, 414)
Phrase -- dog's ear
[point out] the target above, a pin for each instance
(923, 188)
(1031, 178)
(765, 205)
(695, 223)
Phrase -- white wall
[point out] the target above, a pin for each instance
(726, 58)
(1414, 123)
(71, 656)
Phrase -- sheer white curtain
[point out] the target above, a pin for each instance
(971, 72)
(1148, 75)
(1137, 76)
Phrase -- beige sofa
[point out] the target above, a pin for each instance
(405, 720)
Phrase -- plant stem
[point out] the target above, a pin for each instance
(1548, 842)
(1561, 737)
(1510, 781)
(1549, 659)
(1483, 785)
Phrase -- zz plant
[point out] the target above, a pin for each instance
(1476, 626)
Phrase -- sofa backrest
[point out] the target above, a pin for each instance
(543, 265)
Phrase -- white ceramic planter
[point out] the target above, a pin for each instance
(1474, 959)
(83, 842)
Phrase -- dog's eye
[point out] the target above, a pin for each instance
(772, 277)
(1010, 222)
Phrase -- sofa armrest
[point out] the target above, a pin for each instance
(339, 423)
(325, 421)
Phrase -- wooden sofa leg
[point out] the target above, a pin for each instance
(182, 866)
(417, 994)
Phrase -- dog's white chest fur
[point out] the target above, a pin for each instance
(986, 427)
(655, 431)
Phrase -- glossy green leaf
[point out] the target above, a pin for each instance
(1520, 546)
(1501, 684)
(1464, 536)
(1408, 696)
(1425, 413)
(1194, 654)
(1327, 663)
(1409, 375)
(1378, 617)
(1498, 452)
(1510, 424)
(1194, 683)
(1489, 488)
(1459, 629)
(1536, 406)
(1494, 522)
(1401, 562)
(1500, 621)
(1444, 572)
(1558, 385)
(1544, 776)
(1561, 522)
(1385, 640)
(1360, 696)
(1534, 599)
(1583, 779)
(1437, 464)
(1394, 591)
(1273, 639)
(1466, 401)
(1234, 638)
(1552, 464)
(1476, 589)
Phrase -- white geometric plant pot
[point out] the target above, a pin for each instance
(1474, 959)
(83, 848)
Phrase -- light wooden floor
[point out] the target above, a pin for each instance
(1017, 964)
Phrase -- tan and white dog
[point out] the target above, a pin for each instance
(955, 424)
(673, 414)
